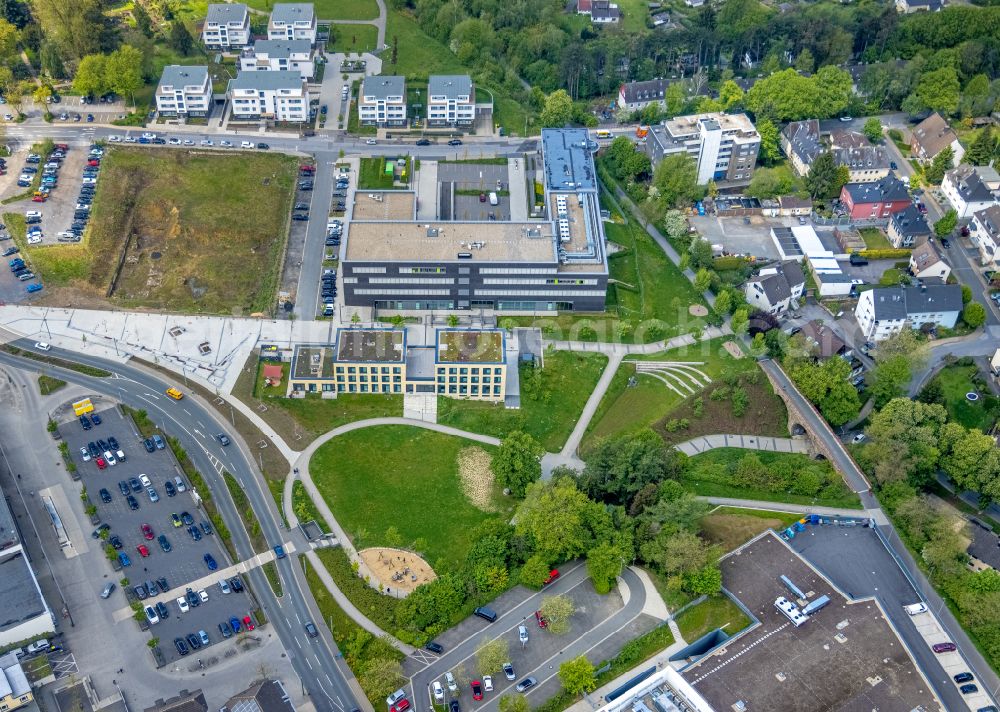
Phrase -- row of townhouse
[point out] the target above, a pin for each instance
(803, 143)
(227, 25)
(451, 101)
(279, 95)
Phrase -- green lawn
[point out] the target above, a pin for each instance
(634, 16)
(956, 381)
(373, 176)
(418, 53)
(511, 115)
(329, 9)
(305, 508)
(352, 38)
(729, 527)
(875, 238)
(402, 477)
(48, 384)
(625, 409)
(788, 477)
(714, 612)
(552, 399)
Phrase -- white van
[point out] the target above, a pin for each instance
(916, 609)
(493, 199)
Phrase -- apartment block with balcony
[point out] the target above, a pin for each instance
(382, 101)
(279, 55)
(184, 91)
(271, 96)
(451, 100)
(227, 26)
(292, 21)
(723, 146)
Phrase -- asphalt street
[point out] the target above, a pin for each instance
(857, 481)
(317, 661)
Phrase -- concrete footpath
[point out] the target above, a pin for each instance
(746, 442)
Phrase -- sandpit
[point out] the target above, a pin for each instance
(733, 348)
(396, 569)
(698, 310)
(477, 477)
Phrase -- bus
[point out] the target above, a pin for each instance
(602, 133)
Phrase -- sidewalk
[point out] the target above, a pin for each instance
(746, 442)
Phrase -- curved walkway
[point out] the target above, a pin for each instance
(301, 473)
(704, 443)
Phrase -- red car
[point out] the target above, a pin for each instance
(143, 550)
(38, 199)
(542, 623)
(403, 704)
(247, 623)
(306, 168)
(62, 146)
(477, 690)
(93, 162)
(553, 575)
(147, 531)
(101, 464)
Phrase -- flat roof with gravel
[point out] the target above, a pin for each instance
(443, 241)
(846, 656)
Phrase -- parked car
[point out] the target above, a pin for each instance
(526, 684)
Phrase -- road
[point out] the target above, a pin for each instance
(859, 483)
(322, 671)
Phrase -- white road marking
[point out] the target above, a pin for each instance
(309, 663)
(298, 643)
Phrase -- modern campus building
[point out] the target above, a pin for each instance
(883, 311)
(277, 56)
(26, 616)
(184, 91)
(723, 146)
(460, 363)
(382, 101)
(274, 96)
(554, 263)
(292, 21)
(227, 26)
(451, 100)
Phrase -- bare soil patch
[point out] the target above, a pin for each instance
(733, 349)
(397, 569)
(698, 310)
(477, 477)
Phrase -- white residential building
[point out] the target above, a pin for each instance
(775, 288)
(227, 26)
(970, 189)
(278, 55)
(985, 233)
(723, 146)
(382, 101)
(292, 21)
(184, 91)
(926, 263)
(273, 96)
(451, 100)
(884, 311)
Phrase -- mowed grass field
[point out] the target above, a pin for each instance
(208, 229)
(353, 38)
(402, 477)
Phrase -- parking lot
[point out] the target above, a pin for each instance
(480, 179)
(186, 559)
(738, 237)
(599, 628)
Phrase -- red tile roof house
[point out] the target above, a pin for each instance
(867, 201)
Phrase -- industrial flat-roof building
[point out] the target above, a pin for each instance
(535, 265)
(25, 614)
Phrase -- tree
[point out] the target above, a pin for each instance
(558, 109)
(983, 149)
(805, 62)
(946, 225)
(939, 89)
(770, 149)
(516, 463)
(605, 561)
(180, 40)
(890, 378)
(974, 315)
(124, 71)
(943, 162)
(903, 441)
(557, 610)
(730, 94)
(826, 385)
(769, 183)
(627, 162)
(78, 27)
(9, 37)
(873, 129)
(379, 677)
(675, 224)
(619, 467)
(41, 94)
(702, 280)
(91, 75)
(52, 63)
(676, 181)
(700, 254)
(824, 180)
(966, 294)
(141, 17)
(513, 703)
(492, 655)
(967, 457)
(577, 676)
(535, 571)
(740, 321)
(560, 521)
(674, 99)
